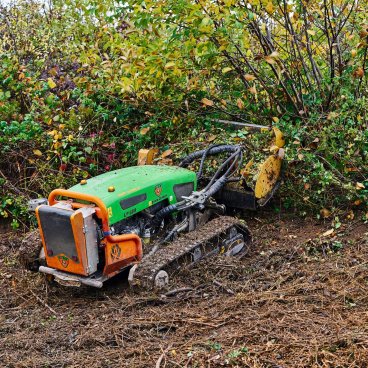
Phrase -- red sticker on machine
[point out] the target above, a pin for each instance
(158, 190)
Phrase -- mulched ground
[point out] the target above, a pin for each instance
(296, 299)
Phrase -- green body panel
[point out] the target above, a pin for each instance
(149, 184)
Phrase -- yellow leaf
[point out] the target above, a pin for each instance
(211, 138)
(274, 148)
(328, 232)
(312, 33)
(274, 54)
(144, 131)
(226, 70)
(166, 153)
(51, 83)
(170, 65)
(270, 60)
(359, 186)
(359, 73)
(325, 213)
(249, 165)
(353, 53)
(58, 135)
(276, 119)
(37, 152)
(270, 8)
(246, 171)
(249, 77)
(253, 90)
(207, 102)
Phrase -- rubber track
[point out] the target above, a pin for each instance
(176, 252)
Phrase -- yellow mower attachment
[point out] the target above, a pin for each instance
(270, 170)
(146, 156)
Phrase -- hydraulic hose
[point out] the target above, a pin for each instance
(203, 159)
(211, 151)
(216, 182)
(224, 164)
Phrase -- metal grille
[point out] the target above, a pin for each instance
(57, 231)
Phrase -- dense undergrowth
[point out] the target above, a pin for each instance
(84, 85)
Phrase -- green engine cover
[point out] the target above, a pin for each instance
(138, 187)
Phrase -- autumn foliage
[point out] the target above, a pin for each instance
(85, 84)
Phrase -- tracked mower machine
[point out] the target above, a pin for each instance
(151, 220)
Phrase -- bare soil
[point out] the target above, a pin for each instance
(296, 299)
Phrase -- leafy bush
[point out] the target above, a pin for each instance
(85, 84)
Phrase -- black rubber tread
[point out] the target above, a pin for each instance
(178, 253)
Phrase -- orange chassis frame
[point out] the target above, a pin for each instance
(120, 250)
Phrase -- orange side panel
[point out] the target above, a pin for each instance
(80, 242)
(121, 254)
